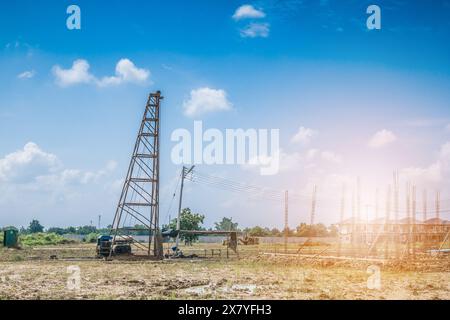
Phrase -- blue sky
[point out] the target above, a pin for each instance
(311, 64)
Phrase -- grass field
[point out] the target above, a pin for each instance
(30, 274)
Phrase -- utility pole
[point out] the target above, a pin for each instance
(184, 173)
(438, 209)
(387, 223)
(313, 213)
(99, 220)
(367, 223)
(353, 239)
(396, 222)
(408, 217)
(358, 198)
(358, 210)
(413, 218)
(438, 205)
(341, 223)
(313, 205)
(377, 208)
(424, 203)
(286, 220)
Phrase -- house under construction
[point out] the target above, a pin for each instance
(401, 238)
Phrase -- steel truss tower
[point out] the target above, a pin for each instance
(138, 207)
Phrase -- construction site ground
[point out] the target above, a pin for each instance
(260, 272)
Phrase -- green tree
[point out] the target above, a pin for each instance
(226, 224)
(258, 231)
(71, 230)
(275, 232)
(303, 230)
(56, 230)
(188, 221)
(141, 230)
(334, 231)
(86, 230)
(35, 227)
(316, 230)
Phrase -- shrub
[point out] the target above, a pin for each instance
(91, 237)
(42, 239)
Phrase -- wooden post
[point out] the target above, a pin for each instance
(377, 208)
(408, 218)
(387, 230)
(396, 225)
(286, 221)
(413, 221)
(313, 213)
(342, 219)
(424, 204)
(438, 205)
(352, 238)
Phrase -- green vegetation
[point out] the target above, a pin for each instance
(83, 230)
(258, 231)
(35, 227)
(226, 224)
(91, 237)
(43, 239)
(188, 221)
(34, 235)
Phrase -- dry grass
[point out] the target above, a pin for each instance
(250, 277)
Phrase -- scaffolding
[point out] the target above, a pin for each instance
(139, 200)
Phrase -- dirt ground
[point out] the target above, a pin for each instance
(30, 274)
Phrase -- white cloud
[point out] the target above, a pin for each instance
(72, 177)
(35, 184)
(32, 165)
(433, 174)
(247, 11)
(382, 138)
(26, 164)
(254, 30)
(447, 127)
(424, 122)
(296, 161)
(78, 73)
(331, 156)
(303, 135)
(324, 155)
(204, 100)
(26, 74)
(126, 71)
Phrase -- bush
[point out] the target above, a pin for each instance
(43, 239)
(91, 237)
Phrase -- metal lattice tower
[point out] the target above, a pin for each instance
(139, 200)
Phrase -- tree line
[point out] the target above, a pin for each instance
(194, 221)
